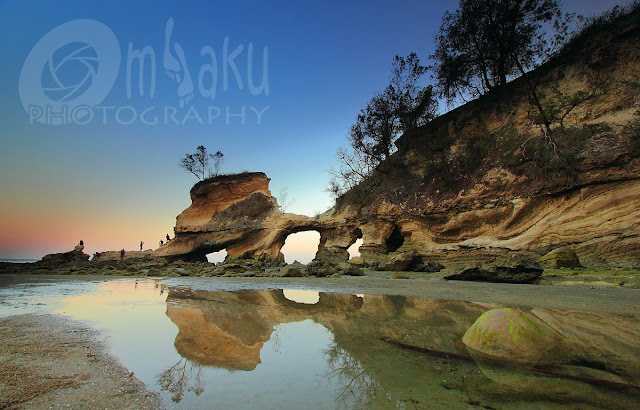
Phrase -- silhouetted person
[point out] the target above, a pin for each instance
(122, 254)
(141, 243)
(161, 242)
(81, 242)
(168, 238)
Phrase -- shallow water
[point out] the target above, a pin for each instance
(274, 348)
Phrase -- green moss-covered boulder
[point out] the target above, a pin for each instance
(509, 334)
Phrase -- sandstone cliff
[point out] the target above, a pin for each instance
(484, 175)
(238, 213)
(481, 181)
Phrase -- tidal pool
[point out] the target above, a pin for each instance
(289, 348)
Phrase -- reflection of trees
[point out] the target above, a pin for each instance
(184, 376)
(356, 386)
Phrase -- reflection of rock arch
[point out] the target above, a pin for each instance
(228, 329)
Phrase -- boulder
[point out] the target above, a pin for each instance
(509, 335)
(518, 272)
(70, 258)
(332, 255)
(347, 269)
(410, 261)
(357, 261)
(293, 271)
(319, 269)
(563, 257)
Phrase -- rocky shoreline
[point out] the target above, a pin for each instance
(495, 272)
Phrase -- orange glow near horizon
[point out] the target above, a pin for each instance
(301, 246)
(27, 233)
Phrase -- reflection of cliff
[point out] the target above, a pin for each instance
(228, 329)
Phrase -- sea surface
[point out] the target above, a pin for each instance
(201, 347)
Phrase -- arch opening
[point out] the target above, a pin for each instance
(395, 240)
(301, 246)
(354, 249)
(217, 257)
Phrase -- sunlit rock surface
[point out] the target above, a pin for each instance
(238, 214)
(479, 178)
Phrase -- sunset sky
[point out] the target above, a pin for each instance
(115, 180)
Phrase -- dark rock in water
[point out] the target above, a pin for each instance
(71, 258)
(520, 272)
(563, 257)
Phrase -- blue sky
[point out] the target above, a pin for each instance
(115, 184)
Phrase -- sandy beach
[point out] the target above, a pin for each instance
(48, 361)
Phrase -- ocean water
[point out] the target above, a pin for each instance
(18, 260)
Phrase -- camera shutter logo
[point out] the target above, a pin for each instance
(74, 65)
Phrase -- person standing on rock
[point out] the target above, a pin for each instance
(168, 238)
(161, 242)
(141, 243)
(121, 255)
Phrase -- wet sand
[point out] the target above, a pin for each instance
(50, 361)
(47, 361)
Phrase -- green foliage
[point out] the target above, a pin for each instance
(484, 43)
(404, 105)
(593, 26)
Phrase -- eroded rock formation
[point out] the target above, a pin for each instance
(483, 180)
(238, 213)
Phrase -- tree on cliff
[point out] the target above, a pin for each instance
(485, 43)
(198, 163)
(403, 105)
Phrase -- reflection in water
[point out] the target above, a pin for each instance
(259, 348)
(505, 342)
(357, 387)
(230, 329)
(184, 376)
(309, 297)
